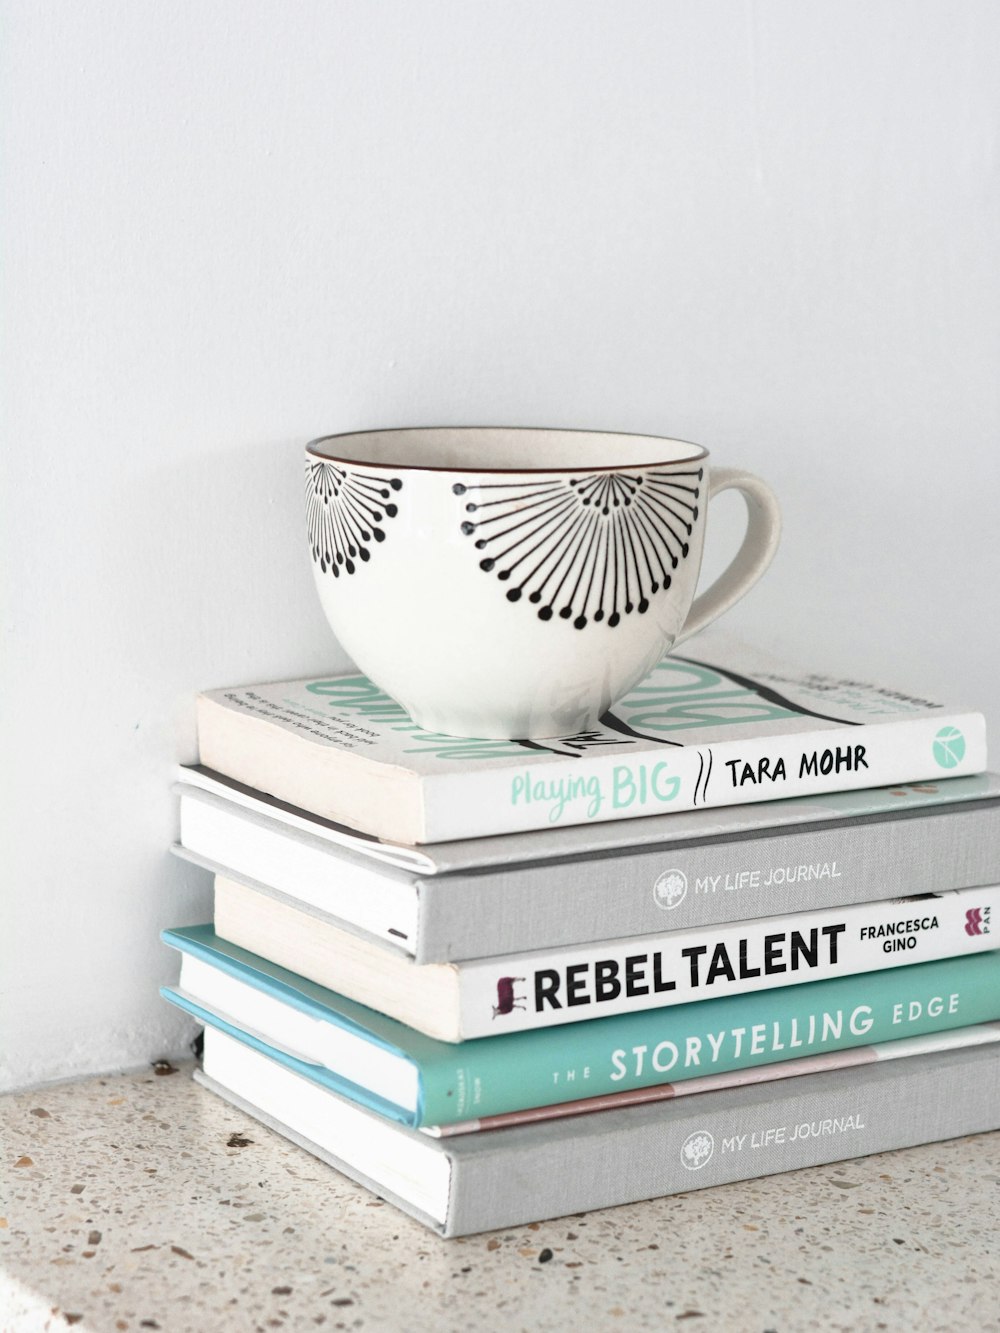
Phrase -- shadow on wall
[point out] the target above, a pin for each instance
(212, 579)
(168, 579)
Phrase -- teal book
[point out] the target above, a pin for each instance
(423, 1083)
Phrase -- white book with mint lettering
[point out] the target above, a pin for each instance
(717, 724)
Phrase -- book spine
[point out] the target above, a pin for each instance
(679, 887)
(984, 1034)
(660, 1047)
(717, 1138)
(597, 980)
(595, 787)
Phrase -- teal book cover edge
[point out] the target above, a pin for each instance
(492, 1075)
(317, 1073)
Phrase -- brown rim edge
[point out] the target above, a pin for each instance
(699, 455)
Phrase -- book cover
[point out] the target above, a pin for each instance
(485, 1080)
(844, 1058)
(545, 889)
(561, 842)
(507, 1177)
(716, 725)
(547, 988)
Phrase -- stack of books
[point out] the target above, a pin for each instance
(744, 925)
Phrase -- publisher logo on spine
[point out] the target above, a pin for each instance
(949, 747)
(697, 1150)
(670, 889)
(977, 921)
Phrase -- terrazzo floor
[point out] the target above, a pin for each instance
(143, 1202)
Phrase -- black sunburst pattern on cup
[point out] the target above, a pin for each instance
(588, 549)
(344, 513)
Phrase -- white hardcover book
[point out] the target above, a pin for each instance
(719, 724)
(487, 997)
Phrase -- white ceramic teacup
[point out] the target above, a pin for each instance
(507, 582)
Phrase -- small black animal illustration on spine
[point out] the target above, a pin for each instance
(507, 1001)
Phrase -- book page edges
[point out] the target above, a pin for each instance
(341, 1164)
(423, 996)
(373, 797)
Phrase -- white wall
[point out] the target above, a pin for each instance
(767, 227)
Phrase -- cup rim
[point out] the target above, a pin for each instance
(699, 454)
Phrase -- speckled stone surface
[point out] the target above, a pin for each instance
(143, 1202)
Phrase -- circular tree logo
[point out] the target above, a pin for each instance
(697, 1150)
(670, 889)
(949, 747)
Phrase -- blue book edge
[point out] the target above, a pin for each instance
(201, 942)
(315, 1073)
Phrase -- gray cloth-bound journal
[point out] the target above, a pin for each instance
(508, 1177)
(489, 897)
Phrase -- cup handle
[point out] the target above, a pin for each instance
(753, 557)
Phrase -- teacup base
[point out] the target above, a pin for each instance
(477, 727)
